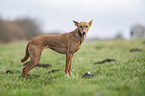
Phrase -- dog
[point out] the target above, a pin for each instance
(66, 43)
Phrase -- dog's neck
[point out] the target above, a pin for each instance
(78, 36)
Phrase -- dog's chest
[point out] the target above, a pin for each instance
(78, 47)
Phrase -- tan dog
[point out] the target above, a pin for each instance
(67, 43)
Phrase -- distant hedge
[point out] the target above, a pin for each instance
(19, 29)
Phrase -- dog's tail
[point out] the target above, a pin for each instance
(26, 54)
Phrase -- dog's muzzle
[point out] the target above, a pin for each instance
(83, 33)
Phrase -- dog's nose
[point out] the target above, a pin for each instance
(84, 33)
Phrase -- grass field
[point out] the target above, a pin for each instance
(124, 77)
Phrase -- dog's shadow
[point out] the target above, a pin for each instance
(39, 65)
(105, 61)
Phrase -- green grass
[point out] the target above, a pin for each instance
(125, 77)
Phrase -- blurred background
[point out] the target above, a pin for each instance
(112, 19)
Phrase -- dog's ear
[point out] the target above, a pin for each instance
(76, 23)
(90, 23)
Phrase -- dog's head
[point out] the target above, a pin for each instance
(83, 27)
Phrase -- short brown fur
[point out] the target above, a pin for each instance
(67, 43)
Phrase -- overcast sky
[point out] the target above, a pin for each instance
(109, 16)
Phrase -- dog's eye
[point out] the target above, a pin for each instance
(81, 26)
(86, 26)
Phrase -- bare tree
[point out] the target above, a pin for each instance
(138, 31)
(19, 29)
(30, 27)
(9, 31)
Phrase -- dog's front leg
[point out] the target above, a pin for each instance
(68, 63)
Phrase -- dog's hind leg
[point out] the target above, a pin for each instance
(25, 68)
(35, 54)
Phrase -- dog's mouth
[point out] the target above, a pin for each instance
(82, 33)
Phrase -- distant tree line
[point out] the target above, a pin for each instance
(27, 28)
(19, 29)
